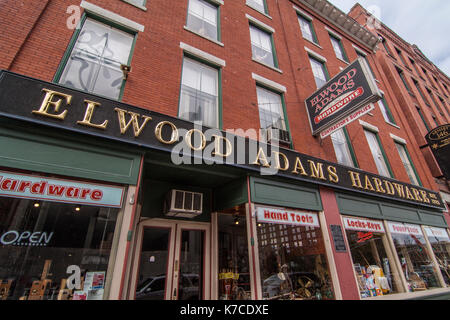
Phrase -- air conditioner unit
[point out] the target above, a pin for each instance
(183, 204)
(278, 135)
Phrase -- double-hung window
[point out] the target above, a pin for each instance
(419, 111)
(259, 5)
(270, 106)
(378, 153)
(407, 163)
(94, 64)
(203, 19)
(307, 28)
(319, 71)
(342, 148)
(402, 76)
(387, 114)
(199, 101)
(262, 46)
(338, 48)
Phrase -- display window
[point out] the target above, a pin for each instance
(234, 273)
(292, 256)
(54, 249)
(440, 243)
(415, 260)
(373, 269)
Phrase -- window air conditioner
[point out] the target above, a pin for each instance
(183, 204)
(278, 135)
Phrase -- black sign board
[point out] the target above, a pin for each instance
(338, 238)
(350, 90)
(439, 141)
(50, 104)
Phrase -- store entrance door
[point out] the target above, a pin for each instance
(171, 261)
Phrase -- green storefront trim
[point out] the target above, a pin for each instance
(40, 150)
(382, 210)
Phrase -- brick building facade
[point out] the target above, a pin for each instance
(231, 65)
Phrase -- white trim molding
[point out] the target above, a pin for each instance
(111, 16)
(218, 2)
(302, 13)
(202, 55)
(398, 139)
(361, 51)
(260, 24)
(369, 126)
(269, 83)
(316, 55)
(333, 33)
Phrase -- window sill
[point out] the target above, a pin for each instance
(316, 44)
(135, 5)
(412, 295)
(263, 13)
(346, 62)
(204, 37)
(392, 124)
(268, 66)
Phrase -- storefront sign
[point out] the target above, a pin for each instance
(403, 228)
(39, 188)
(26, 238)
(363, 225)
(288, 217)
(52, 105)
(437, 232)
(342, 123)
(347, 92)
(439, 141)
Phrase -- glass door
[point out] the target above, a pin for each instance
(172, 261)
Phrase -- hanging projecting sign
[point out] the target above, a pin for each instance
(347, 92)
(57, 190)
(363, 225)
(407, 229)
(52, 105)
(439, 141)
(289, 217)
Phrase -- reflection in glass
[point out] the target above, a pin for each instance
(40, 240)
(440, 244)
(153, 264)
(293, 263)
(190, 285)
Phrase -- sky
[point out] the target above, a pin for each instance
(425, 23)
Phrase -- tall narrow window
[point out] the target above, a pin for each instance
(378, 153)
(94, 65)
(419, 111)
(342, 148)
(361, 55)
(307, 28)
(270, 109)
(262, 48)
(338, 48)
(259, 5)
(414, 65)
(319, 71)
(407, 163)
(199, 93)
(402, 76)
(202, 18)
(387, 114)
(385, 45)
(399, 53)
(416, 83)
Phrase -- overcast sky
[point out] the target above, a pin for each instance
(425, 23)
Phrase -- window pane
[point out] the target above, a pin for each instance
(261, 46)
(318, 72)
(305, 26)
(440, 243)
(199, 93)
(202, 18)
(257, 4)
(337, 48)
(406, 163)
(270, 109)
(94, 63)
(377, 153)
(386, 115)
(341, 148)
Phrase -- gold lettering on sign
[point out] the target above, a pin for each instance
(378, 185)
(368, 185)
(49, 102)
(137, 129)
(316, 170)
(356, 180)
(158, 132)
(278, 162)
(87, 121)
(416, 194)
(202, 138)
(261, 156)
(332, 174)
(299, 166)
(389, 187)
(408, 194)
(424, 196)
(399, 189)
(217, 152)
